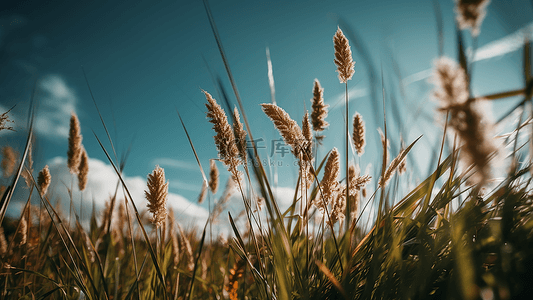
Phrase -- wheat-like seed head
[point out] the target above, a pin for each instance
(9, 159)
(470, 14)
(320, 109)
(451, 86)
(3, 242)
(228, 151)
(358, 135)
(343, 56)
(203, 192)
(395, 163)
(74, 144)
(157, 196)
(329, 183)
(83, 170)
(43, 180)
(475, 133)
(240, 135)
(23, 231)
(186, 245)
(307, 147)
(213, 176)
(287, 127)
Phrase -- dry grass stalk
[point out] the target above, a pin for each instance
(287, 127)
(22, 236)
(385, 144)
(225, 138)
(4, 120)
(9, 159)
(221, 203)
(329, 184)
(74, 144)
(357, 182)
(203, 192)
(307, 154)
(395, 163)
(470, 14)
(83, 170)
(43, 180)
(240, 135)
(174, 238)
(338, 206)
(186, 245)
(3, 242)
(157, 196)
(466, 117)
(213, 176)
(451, 86)
(358, 135)
(28, 170)
(343, 56)
(320, 109)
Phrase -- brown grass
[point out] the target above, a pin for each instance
(358, 135)
(213, 176)
(74, 144)
(9, 159)
(43, 180)
(287, 127)
(320, 109)
(83, 170)
(157, 196)
(343, 57)
(470, 14)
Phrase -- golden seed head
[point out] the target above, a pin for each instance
(43, 180)
(83, 170)
(74, 144)
(157, 196)
(358, 135)
(470, 14)
(343, 56)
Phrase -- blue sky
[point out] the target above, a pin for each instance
(144, 60)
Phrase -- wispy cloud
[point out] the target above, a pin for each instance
(175, 163)
(494, 49)
(353, 94)
(55, 107)
(101, 185)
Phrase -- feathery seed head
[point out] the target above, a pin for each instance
(451, 86)
(329, 183)
(320, 110)
(43, 180)
(83, 170)
(224, 138)
(287, 127)
(74, 144)
(213, 176)
(203, 191)
(359, 134)
(470, 14)
(307, 146)
(343, 56)
(9, 159)
(240, 135)
(157, 196)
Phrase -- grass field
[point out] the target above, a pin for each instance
(456, 234)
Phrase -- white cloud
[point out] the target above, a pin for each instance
(494, 49)
(175, 163)
(352, 95)
(101, 185)
(55, 107)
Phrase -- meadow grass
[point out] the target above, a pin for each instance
(447, 237)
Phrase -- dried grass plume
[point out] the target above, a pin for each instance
(213, 176)
(320, 109)
(343, 56)
(83, 170)
(74, 144)
(470, 14)
(43, 180)
(287, 127)
(358, 135)
(9, 159)
(157, 196)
